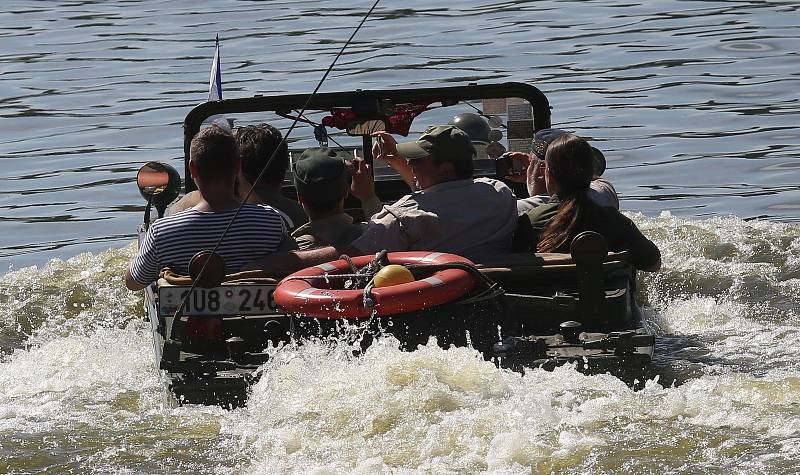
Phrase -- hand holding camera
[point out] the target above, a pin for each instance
(512, 166)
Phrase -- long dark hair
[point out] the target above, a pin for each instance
(569, 162)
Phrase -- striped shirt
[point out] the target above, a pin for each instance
(172, 241)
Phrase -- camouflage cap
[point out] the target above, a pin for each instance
(444, 142)
(320, 174)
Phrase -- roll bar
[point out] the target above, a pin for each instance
(328, 100)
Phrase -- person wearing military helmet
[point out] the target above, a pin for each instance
(449, 211)
(322, 180)
(473, 125)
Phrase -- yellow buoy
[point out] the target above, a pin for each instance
(393, 274)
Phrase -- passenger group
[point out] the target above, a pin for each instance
(447, 210)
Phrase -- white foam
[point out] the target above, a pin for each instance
(81, 372)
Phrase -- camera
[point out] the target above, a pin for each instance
(507, 166)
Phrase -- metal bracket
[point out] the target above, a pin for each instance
(623, 343)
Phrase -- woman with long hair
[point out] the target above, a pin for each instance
(568, 173)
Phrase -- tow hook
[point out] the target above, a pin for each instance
(623, 343)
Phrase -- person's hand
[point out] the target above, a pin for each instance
(363, 184)
(535, 178)
(524, 159)
(385, 149)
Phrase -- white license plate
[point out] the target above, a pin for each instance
(226, 300)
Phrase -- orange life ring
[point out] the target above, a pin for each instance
(311, 297)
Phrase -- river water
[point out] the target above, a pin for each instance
(694, 104)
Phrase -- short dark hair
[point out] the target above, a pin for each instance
(215, 153)
(257, 143)
(463, 168)
(323, 205)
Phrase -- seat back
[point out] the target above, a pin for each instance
(588, 250)
(589, 285)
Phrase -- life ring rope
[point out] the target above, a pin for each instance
(440, 278)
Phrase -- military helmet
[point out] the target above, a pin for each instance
(474, 125)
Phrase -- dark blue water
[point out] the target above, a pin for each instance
(693, 102)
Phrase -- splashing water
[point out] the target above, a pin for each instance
(79, 388)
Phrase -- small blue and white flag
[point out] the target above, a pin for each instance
(215, 82)
(215, 90)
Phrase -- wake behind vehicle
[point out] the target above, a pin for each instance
(520, 309)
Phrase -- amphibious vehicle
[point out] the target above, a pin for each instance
(520, 309)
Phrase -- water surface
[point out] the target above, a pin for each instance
(693, 103)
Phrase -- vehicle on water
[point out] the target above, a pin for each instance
(520, 309)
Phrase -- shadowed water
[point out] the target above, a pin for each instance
(693, 103)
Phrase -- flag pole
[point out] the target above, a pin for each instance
(215, 81)
(215, 88)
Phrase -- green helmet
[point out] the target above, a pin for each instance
(474, 125)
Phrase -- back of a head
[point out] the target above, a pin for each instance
(321, 178)
(448, 143)
(257, 143)
(570, 160)
(215, 153)
(569, 163)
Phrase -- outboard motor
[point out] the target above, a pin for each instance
(159, 184)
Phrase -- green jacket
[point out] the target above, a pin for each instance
(619, 231)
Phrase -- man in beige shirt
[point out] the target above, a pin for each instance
(450, 212)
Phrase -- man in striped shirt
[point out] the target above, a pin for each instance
(260, 146)
(172, 241)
